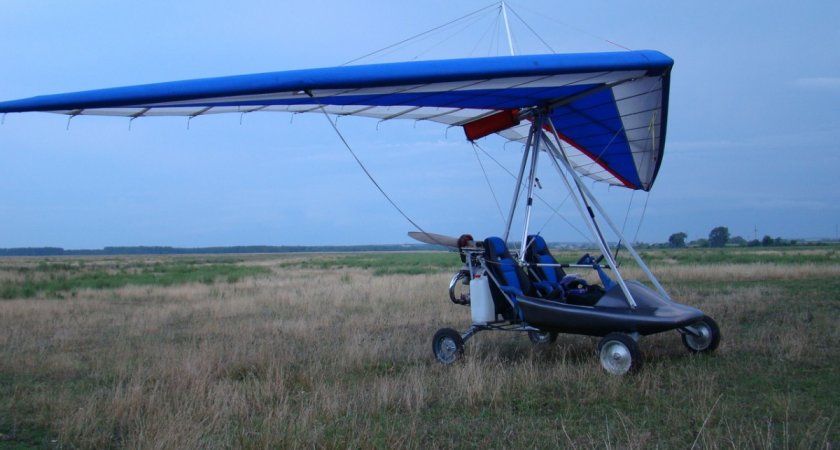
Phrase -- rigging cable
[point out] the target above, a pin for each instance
(555, 213)
(554, 210)
(487, 179)
(370, 177)
(492, 32)
(449, 38)
(531, 29)
(624, 225)
(641, 219)
(420, 34)
(484, 39)
(542, 14)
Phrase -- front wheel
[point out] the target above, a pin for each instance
(702, 336)
(619, 354)
(542, 337)
(448, 346)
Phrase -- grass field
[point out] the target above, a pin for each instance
(334, 351)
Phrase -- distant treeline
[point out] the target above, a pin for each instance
(161, 250)
(155, 250)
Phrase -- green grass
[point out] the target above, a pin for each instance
(386, 263)
(740, 255)
(58, 278)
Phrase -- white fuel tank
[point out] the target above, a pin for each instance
(481, 301)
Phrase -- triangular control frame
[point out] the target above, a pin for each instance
(543, 138)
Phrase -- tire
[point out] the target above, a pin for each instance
(542, 337)
(619, 354)
(448, 346)
(708, 340)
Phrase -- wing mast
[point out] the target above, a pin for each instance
(507, 28)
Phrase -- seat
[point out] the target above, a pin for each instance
(537, 253)
(512, 279)
(498, 262)
(513, 282)
(553, 280)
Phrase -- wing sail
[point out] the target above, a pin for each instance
(611, 108)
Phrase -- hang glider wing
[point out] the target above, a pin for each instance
(610, 108)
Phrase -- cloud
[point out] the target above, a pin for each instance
(824, 84)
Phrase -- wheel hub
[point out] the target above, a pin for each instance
(616, 358)
(448, 348)
(700, 338)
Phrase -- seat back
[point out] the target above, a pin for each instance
(575, 290)
(503, 267)
(537, 253)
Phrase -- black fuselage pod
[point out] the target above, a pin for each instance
(653, 314)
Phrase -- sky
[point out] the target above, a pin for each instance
(753, 139)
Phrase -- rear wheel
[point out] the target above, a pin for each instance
(542, 337)
(619, 354)
(447, 345)
(702, 336)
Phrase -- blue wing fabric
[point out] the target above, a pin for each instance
(610, 108)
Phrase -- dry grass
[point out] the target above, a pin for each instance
(341, 358)
(727, 273)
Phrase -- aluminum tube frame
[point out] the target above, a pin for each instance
(536, 128)
(585, 191)
(586, 213)
(516, 190)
